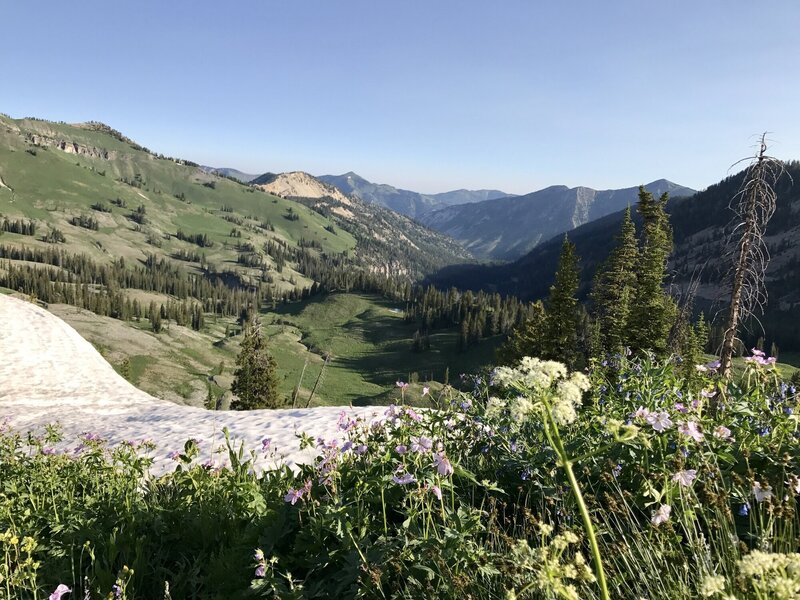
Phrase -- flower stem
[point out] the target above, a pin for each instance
(551, 430)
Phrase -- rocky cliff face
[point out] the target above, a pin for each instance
(71, 147)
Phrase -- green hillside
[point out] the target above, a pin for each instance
(140, 234)
(51, 185)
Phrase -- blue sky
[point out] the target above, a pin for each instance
(427, 95)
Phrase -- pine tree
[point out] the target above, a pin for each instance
(255, 382)
(561, 326)
(525, 339)
(652, 311)
(613, 290)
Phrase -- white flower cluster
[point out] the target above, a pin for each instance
(772, 575)
(535, 377)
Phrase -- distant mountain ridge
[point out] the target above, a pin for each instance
(506, 228)
(228, 172)
(298, 184)
(407, 202)
(700, 224)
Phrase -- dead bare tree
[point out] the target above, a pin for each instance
(753, 206)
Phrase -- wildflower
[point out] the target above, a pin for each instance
(292, 496)
(708, 393)
(442, 464)
(689, 429)
(762, 493)
(681, 407)
(757, 352)
(59, 592)
(404, 479)
(48, 451)
(258, 555)
(744, 509)
(686, 477)
(701, 368)
(413, 415)
(401, 384)
(401, 449)
(436, 491)
(659, 421)
(265, 444)
(421, 445)
(640, 413)
(722, 432)
(661, 515)
(261, 570)
(361, 449)
(564, 412)
(712, 585)
(503, 376)
(520, 408)
(347, 446)
(425, 390)
(174, 455)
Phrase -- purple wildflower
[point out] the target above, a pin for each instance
(292, 496)
(659, 421)
(59, 592)
(686, 477)
(401, 449)
(436, 491)
(442, 464)
(691, 430)
(261, 570)
(404, 479)
(422, 445)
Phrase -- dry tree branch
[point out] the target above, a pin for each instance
(752, 206)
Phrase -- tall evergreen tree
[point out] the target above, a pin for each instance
(613, 290)
(525, 339)
(561, 326)
(652, 311)
(255, 382)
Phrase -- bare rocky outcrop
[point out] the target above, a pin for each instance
(3, 184)
(71, 147)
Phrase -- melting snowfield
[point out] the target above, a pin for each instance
(50, 374)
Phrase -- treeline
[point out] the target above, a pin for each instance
(221, 294)
(87, 222)
(19, 226)
(200, 239)
(629, 309)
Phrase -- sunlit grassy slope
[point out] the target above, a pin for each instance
(51, 186)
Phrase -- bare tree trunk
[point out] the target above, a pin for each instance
(753, 206)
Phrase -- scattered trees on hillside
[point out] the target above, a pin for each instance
(255, 382)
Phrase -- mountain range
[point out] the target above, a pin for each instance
(507, 228)
(412, 204)
(698, 265)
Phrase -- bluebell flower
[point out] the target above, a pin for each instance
(744, 509)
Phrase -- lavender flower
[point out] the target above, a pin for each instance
(659, 421)
(691, 430)
(762, 493)
(421, 445)
(442, 464)
(59, 592)
(261, 570)
(686, 477)
(661, 515)
(436, 491)
(404, 479)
